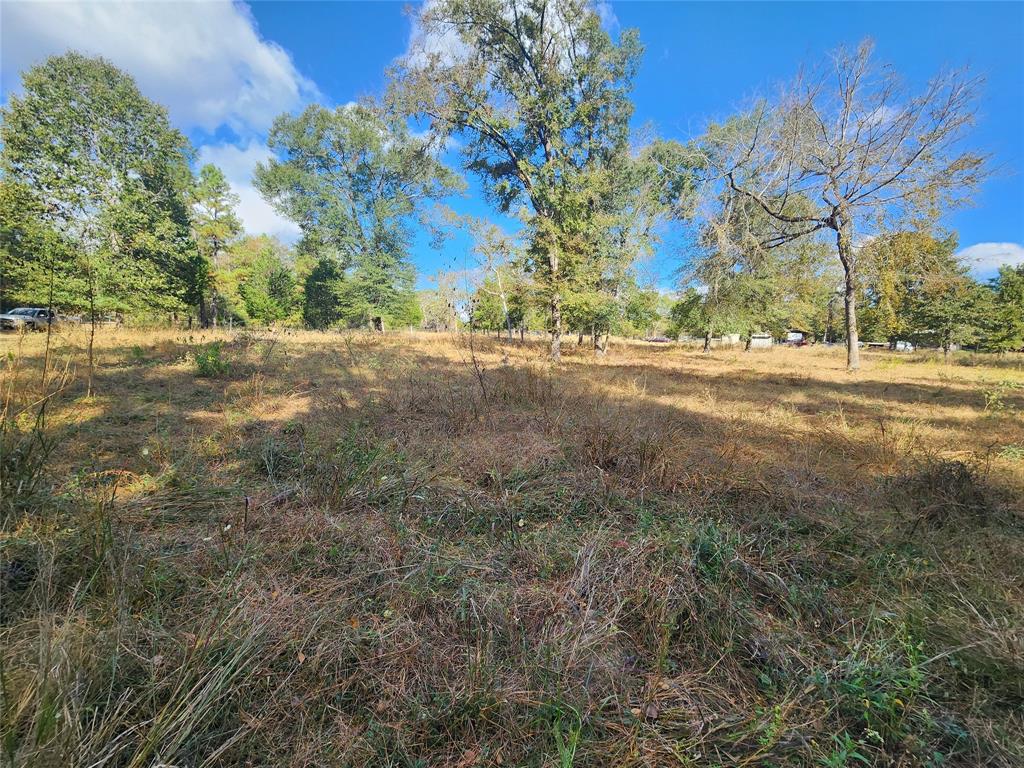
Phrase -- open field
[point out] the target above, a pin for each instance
(432, 550)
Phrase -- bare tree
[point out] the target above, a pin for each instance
(849, 150)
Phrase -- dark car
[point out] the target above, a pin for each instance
(27, 319)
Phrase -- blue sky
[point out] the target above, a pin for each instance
(224, 70)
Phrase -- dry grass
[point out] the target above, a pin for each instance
(358, 550)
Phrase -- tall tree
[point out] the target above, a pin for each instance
(864, 151)
(257, 282)
(947, 307)
(353, 179)
(539, 92)
(894, 266)
(1007, 320)
(215, 225)
(108, 175)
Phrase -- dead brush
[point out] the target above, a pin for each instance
(26, 441)
(697, 600)
(939, 492)
(638, 452)
(529, 385)
(439, 399)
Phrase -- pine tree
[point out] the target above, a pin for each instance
(215, 225)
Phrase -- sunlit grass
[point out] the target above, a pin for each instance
(421, 549)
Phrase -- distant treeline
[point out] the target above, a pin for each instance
(819, 210)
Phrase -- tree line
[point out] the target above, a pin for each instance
(819, 209)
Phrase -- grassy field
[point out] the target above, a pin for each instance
(302, 549)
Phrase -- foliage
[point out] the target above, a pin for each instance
(948, 308)
(353, 179)
(210, 361)
(538, 93)
(100, 178)
(856, 151)
(320, 300)
(215, 224)
(257, 281)
(439, 306)
(1006, 321)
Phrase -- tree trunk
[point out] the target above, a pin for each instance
(556, 306)
(92, 328)
(556, 327)
(92, 339)
(845, 246)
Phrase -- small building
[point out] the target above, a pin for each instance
(761, 341)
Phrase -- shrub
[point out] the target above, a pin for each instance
(23, 456)
(210, 362)
(944, 491)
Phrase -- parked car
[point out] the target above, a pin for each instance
(27, 319)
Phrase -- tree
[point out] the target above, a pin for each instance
(893, 266)
(439, 306)
(257, 282)
(855, 144)
(353, 178)
(688, 315)
(539, 93)
(320, 298)
(100, 170)
(34, 267)
(1007, 321)
(948, 308)
(215, 225)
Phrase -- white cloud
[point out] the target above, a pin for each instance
(238, 163)
(985, 258)
(606, 13)
(205, 61)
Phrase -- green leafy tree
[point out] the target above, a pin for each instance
(1006, 327)
(354, 179)
(893, 266)
(538, 91)
(257, 281)
(948, 307)
(35, 267)
(320, 294)
(688, 315)
(215, 225)
(106, 173)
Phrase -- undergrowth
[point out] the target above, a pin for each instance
(378, 551)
